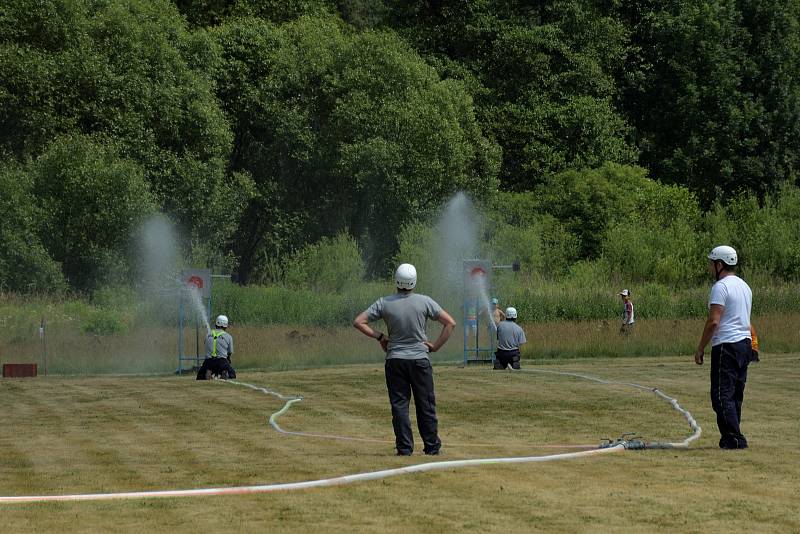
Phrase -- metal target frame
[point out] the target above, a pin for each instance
(477, 277)
(201, 280)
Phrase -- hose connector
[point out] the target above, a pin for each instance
(628, 440)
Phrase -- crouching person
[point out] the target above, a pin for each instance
(509, 337)
(219, 349)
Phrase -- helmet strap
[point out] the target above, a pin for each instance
(717, 271)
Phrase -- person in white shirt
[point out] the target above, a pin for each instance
(627, 312)
(728, 329)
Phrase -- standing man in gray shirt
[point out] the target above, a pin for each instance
(408, 368)
(509, 337)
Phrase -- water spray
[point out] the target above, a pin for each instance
(196, 299)
(195, 286)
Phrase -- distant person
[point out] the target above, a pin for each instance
(509, 338)
(408, 368)
(627, 313)
(219, 349)
(728, 328)
(497, 313)
(472, 316)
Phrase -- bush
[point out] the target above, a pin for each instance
(104, 321)
(592, 202)
(670, 255)
(767, 238)
(286, 305)
(330, 265)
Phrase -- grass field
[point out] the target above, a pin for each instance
(114, 433)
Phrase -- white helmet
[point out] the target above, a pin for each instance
(725, 254)
(511, 313)
(406, 276)
(222, 321)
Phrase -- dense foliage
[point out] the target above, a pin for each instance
(310, 143)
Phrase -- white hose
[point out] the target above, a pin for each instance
(337, 481)
(657, 445)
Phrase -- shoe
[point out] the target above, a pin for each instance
(224, 375)
(728, 447)
(404, 453)
(433, 453)
(732, 445)
(209, 374)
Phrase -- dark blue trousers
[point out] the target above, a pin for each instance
(503, 358)
(216, 366)
(404, 378)
(729, 363)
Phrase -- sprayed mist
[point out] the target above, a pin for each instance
(158, 255)
(163, 292)
(456, 239)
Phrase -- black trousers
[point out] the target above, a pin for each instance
(216, 366)
(404, 377)
(729, 363)
(502, 358)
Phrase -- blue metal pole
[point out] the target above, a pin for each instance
(180, 333)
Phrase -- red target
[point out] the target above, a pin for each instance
(195, 281)
(477, 271)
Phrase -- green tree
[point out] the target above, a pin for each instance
(92, 201)
(122, 70)
(25, 264)
(542, 74)
(342, 132)
(713, 93)
(205, 13)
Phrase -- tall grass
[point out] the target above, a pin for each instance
(279, 328)
(268, 305)
(281, 347)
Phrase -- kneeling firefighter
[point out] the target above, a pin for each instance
(509, 337)
(219, 349)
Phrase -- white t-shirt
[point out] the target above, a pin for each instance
(735, 295)
(627, 313)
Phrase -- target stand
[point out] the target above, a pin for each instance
(477, 319)
(195, 295)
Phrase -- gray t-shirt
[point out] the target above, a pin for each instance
(405, 315)
(224, 344)
(509, 335)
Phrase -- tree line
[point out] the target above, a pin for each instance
(262, 127)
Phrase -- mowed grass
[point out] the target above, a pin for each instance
(112, 434)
